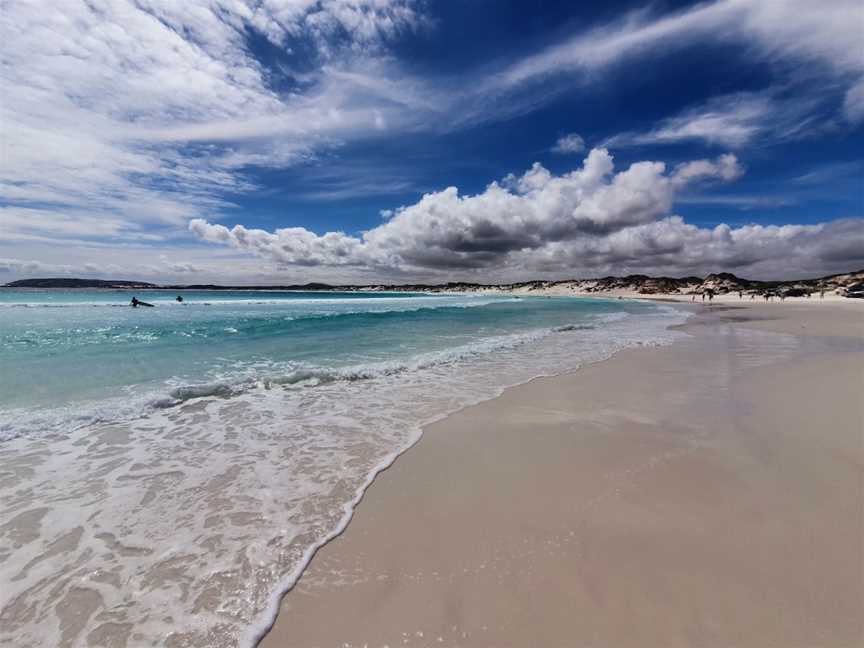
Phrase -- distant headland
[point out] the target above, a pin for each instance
(849, 284)
(63, 282)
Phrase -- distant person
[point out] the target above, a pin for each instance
(740, 294)
(179, 299)
(822, 293)
(134, 303)
(766, 295)
(710, 295)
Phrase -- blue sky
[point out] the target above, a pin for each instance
(375, 140)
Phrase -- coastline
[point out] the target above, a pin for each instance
(669, 496)
(192, 501)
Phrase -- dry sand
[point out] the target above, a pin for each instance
(707, 494)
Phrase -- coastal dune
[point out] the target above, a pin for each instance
(709, 493)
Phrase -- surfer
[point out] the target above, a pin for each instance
(179, 299)
(135, 303)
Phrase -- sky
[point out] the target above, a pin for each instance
(366, 141)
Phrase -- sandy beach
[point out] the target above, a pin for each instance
(708, 493)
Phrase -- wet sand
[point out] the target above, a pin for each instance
(706, 494)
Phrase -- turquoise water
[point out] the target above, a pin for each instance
(180, 464)
(73, 347)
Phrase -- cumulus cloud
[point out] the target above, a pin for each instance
(671, 246)
(571, 143)
(591, 219)
(446, 230)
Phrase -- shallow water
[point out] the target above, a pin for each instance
(165, 473)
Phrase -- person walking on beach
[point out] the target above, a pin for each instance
(740, 294)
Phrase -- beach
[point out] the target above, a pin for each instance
(707, 493)
(402, 323)
(166, 473)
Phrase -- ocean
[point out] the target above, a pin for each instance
(166, 473)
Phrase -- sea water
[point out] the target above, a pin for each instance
(166, 473)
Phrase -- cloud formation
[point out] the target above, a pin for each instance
(568, 144)
(732, 121)
(125, 120)
(146, 114)
(784, 32)
(151, 113)
(589, 219)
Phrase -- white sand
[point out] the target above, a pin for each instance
(708, 494)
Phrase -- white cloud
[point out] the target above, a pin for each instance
(782, 31)
(147, 112)
(123, 121)
(731, 121)
(725, 168)
(570, 143)
(814, 45)
(671, 246)
(590, 220)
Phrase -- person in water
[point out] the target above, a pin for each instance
(134, 302)
(179, 299)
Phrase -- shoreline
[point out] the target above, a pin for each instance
(261, 631)
(327, 588)
(207, 501)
